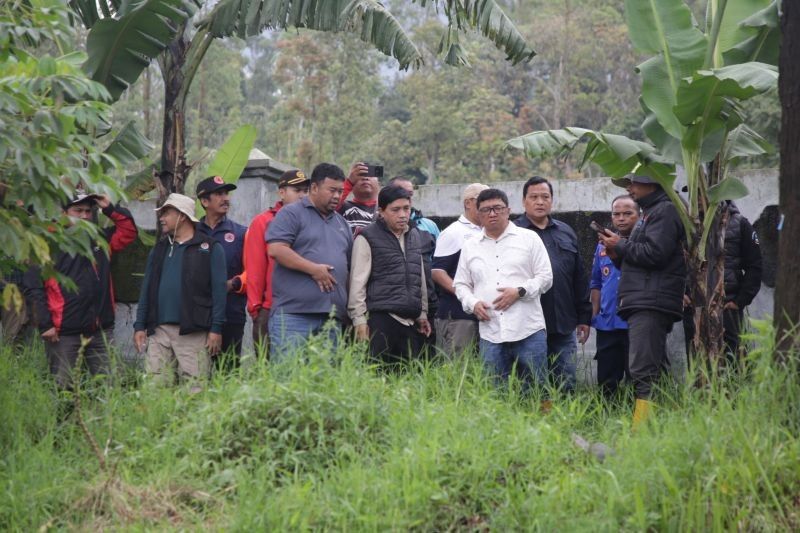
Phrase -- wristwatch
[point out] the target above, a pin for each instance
(521, 291)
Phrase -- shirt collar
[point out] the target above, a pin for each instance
(464, 220)
(222, 224)
(308, 204)
(511, 229)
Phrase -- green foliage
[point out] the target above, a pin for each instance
(342, 446)
(230, 160)
(51, 113)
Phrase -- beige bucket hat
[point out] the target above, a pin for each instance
(182, 203)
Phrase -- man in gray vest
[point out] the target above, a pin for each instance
(387, 280)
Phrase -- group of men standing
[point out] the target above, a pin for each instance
(316, 262)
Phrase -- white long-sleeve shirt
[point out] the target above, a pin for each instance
(517, 258)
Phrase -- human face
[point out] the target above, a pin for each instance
(326, 194)
(216, 203)
(292, 193)
(624, 214)
(366, 188)
(493, 214)
(170, 218)
(538, 201)
(406, 185)
(640, 190)
(82, 210)
(471, 210)
(396, 215)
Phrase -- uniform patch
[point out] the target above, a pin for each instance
(606, 271)
(230, 237)
(204, 246)
(218, 180)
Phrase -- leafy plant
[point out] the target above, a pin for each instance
(692, 88)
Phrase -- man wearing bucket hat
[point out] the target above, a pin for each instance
(182, 303)
(292, 186)
(213, 195)
(63, 315)
(651, 284)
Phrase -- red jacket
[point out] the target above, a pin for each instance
(90, 306)
(258, 266)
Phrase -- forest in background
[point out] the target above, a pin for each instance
(327, 97)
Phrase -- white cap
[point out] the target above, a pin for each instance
(182, 203)
(472, 191)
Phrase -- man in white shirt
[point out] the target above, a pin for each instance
(456, 331)
(500, 276)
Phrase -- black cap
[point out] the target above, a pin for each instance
(633, 178)
(213, 184)
(292, 177)
(81, 197)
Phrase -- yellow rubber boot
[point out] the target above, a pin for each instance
(642, 411)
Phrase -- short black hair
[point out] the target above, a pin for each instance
(491, 194)
(536, 180)
(326, 170)
(622, 197)
(395, 179)
(391, 193)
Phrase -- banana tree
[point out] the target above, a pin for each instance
(125, 36)
(692, 87)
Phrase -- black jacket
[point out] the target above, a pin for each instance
(652, 260)
(567, 303)
(742, 259)
(396, 279)
(90, 305)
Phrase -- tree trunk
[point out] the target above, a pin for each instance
(787, 303)
(174, 170)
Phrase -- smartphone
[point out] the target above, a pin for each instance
(597, 227)
(374, 171)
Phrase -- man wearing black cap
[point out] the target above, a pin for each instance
(213, 195)
(651, 285)
(63, 315)
(292, 186)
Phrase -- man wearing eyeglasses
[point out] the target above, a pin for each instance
(501, 275)
(566, 306)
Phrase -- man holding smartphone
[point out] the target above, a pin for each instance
(360, 211)
(612, 331)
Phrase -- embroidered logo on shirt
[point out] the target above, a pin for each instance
(230, 237)
(606, 271)
(204, 246)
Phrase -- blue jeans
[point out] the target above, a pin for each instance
(288, 332)
(529, 353)
(562, 350)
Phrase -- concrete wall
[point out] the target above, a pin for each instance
(575, 200)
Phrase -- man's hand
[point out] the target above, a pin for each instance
(508, 295)
(213, 343)
(322, 275)
(731, 305)
(229, 285)
(103, 201)
(481, 310)
(362, 332)
(424, 327)
(583, 333)
(357, 172)
(139, 340)
(687, 302)
(51, 335)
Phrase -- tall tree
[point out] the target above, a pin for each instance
(787, 304)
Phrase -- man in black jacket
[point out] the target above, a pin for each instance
(63, 315)
(182, 303)
(388, 280)
(652, 283)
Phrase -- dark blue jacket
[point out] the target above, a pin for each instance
(231, 236)
(567, 303)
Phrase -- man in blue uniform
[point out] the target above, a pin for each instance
(213, 195)
(612, 331)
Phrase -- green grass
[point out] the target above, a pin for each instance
(343, 447)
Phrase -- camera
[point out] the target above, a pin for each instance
(374, 171)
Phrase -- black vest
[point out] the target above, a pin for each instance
(196, 301)
(733, 256)
(395, 281)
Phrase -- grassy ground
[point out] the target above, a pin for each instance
(343, 447)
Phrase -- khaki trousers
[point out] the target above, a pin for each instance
(168, 350)
(455, 336)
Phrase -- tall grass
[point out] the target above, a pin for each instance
(341, 445)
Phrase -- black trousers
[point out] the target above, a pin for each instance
(647, 355)
(390, 341)
(612, 359)
(228, 358)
